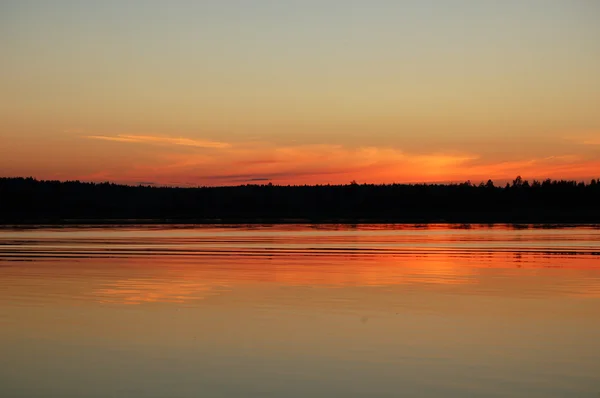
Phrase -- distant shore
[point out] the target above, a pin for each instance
(238, 222)
(26, 201)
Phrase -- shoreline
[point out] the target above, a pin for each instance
(301, 222)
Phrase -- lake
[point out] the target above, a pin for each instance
(300, 311)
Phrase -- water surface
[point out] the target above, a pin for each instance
(300, 311)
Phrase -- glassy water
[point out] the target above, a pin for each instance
(300, 311)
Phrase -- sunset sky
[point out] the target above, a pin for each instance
(299, 91)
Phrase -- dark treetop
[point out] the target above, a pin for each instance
(26, 200)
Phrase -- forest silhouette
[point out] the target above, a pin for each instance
(27, 200)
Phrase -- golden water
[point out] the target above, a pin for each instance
(300, 311)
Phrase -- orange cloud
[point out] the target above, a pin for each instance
(250, 162)
(162, 140)
(567, 166)
(590, 138)
(592, 141)
(297, 165)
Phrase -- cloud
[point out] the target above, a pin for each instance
(564, 166)
(300, 164)
(147, 139)
(253, 162)
(592, 141)
(590, 138)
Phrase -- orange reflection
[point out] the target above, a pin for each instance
(180, 264)
(138, 291)
(176, 280)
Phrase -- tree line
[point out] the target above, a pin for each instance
(27, 200)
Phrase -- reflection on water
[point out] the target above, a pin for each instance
(296, 311)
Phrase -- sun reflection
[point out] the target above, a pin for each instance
(174, 280)
(185, 265)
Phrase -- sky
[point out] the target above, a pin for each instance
(231, 92)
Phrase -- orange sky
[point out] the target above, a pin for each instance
(299, 92)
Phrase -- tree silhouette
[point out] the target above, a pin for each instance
(26, 200)
(517, 182)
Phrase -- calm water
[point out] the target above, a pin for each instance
(300, 311)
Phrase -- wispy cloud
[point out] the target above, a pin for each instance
(253, 162)
(148, 139)
(590, 138)
(592, 141)
(301, 164)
